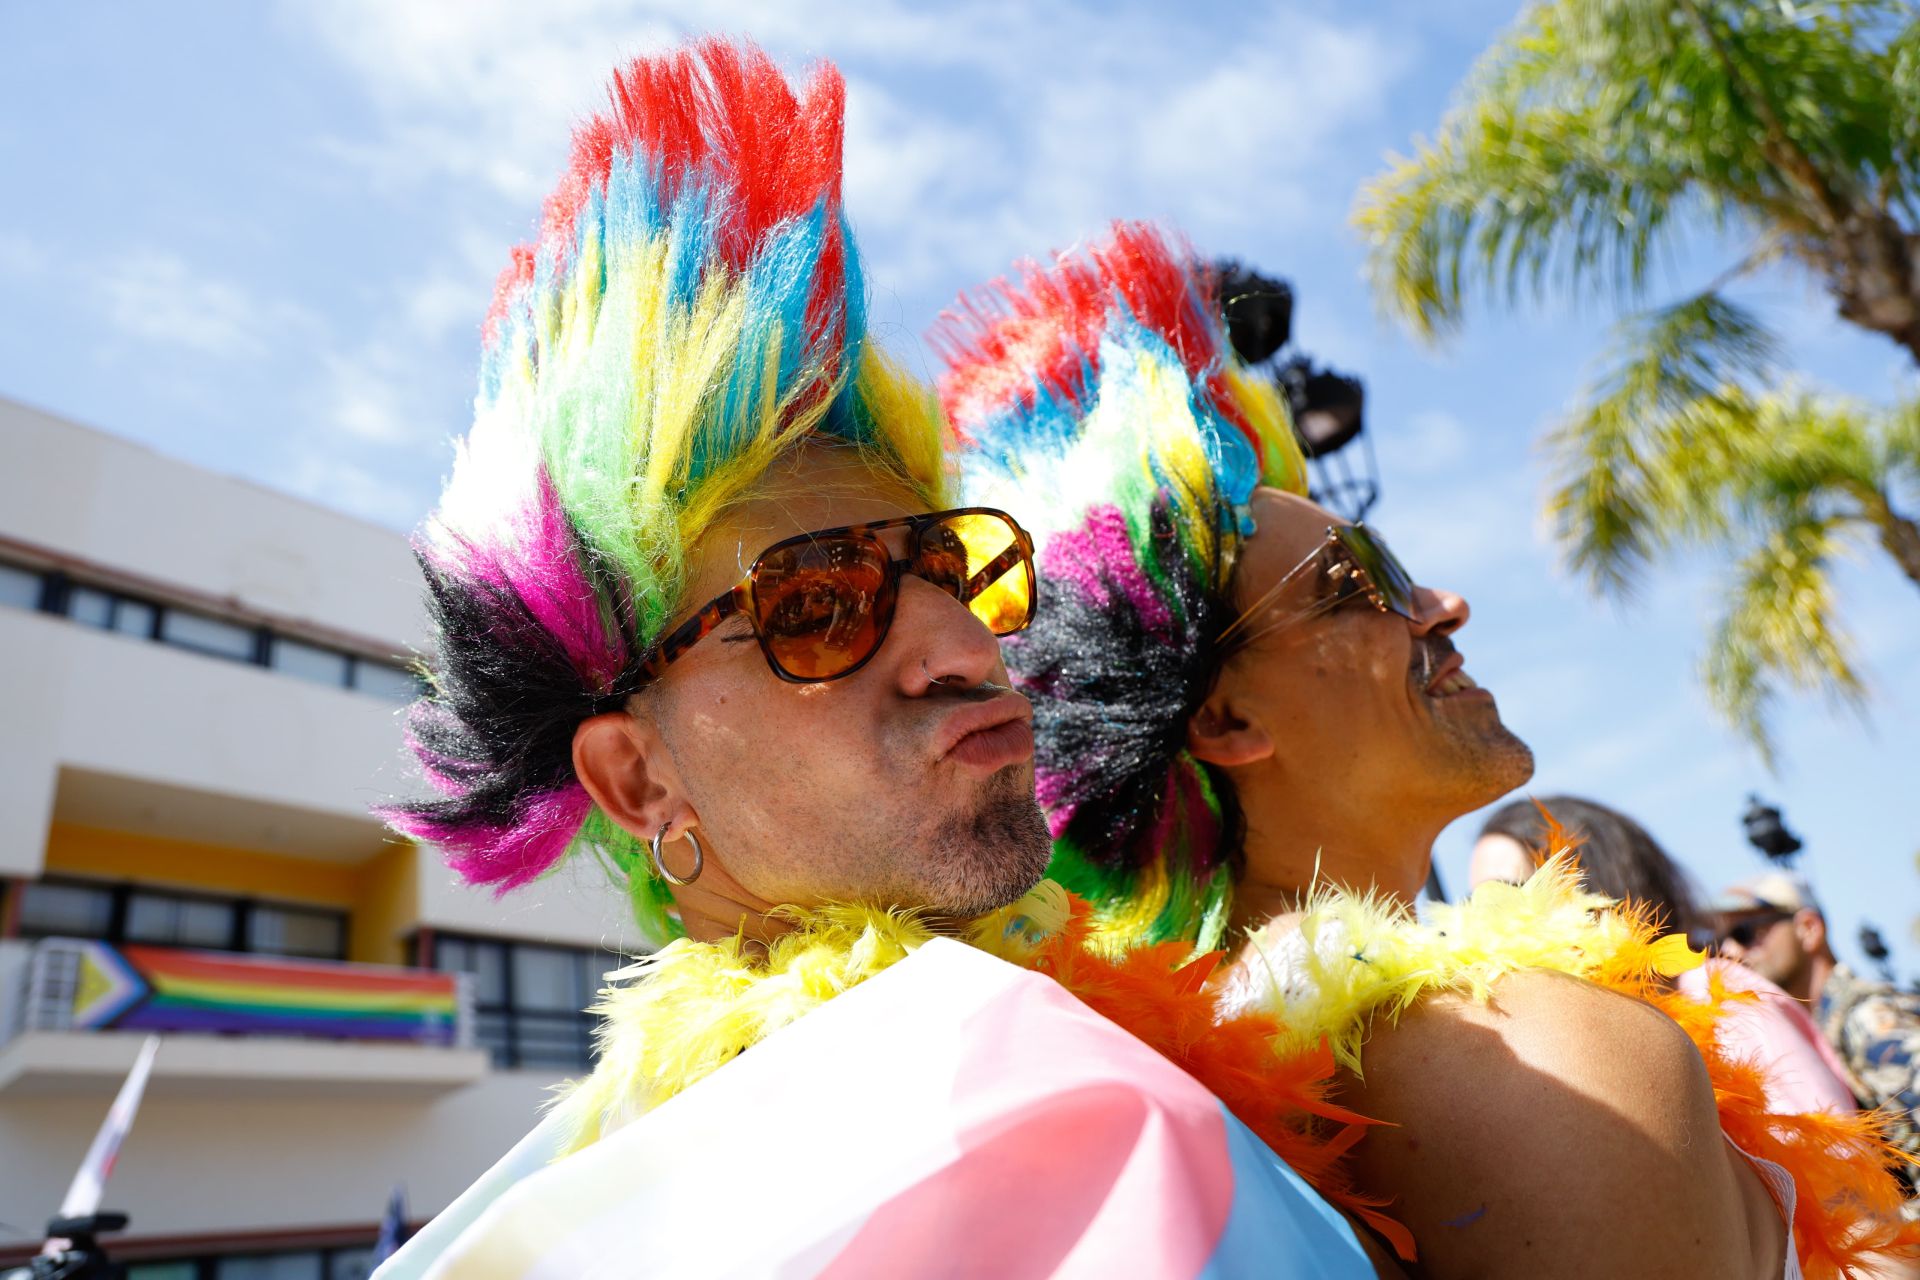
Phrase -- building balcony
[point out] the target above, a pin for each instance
(232, 1025)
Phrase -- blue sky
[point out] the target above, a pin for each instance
(260, 237)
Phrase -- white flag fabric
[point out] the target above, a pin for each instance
(83, 1193)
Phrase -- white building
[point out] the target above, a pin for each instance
(198, 704)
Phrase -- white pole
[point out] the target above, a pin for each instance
(83, 1195)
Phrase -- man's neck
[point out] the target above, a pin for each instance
(716, 907)
(1387, 849)
(710, 917)
(1813, 979)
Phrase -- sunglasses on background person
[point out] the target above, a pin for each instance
(1750, 929)
(821, 603)
(1354, 563)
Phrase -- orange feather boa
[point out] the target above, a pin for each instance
(1276, 1093)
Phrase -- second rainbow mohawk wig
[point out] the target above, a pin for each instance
(691, 310)
(1099, 400)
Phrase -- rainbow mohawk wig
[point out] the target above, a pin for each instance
(693, 309)
(1099, 400)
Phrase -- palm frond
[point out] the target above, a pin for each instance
(1780, 629)
(1592, 124)
(1648, 453)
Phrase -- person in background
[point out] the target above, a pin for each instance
(1621, 860)
(1618, 857)
(1774, 926)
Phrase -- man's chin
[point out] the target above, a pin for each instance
(1488, 766)
(992, 857)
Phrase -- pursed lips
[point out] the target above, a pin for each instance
(989, 734)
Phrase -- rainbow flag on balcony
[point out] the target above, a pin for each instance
(163, 989)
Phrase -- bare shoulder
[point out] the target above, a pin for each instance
(1558, 1129)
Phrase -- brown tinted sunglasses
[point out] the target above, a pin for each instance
(821, 603)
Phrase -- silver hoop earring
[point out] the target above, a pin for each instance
(660, 866)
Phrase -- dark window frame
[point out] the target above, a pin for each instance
(206, 1266)
(242, 906)
(511, 1054)
(56, 598)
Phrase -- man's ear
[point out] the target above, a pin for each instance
(1219, 733)
(626, 768)
(1810, 928)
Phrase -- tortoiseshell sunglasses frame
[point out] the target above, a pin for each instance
(740, 598)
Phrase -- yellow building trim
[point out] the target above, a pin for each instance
(387, 909)
(120, 855)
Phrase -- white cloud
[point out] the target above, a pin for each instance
(158, 297)
(1270, 105)
(967, 145)
(343, 485)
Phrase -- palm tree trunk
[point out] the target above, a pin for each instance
(1874, 267)
(1871, 262)
(1898, 534)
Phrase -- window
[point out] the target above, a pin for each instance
(172, 921)
(160, 917)
(90, 608)
(134, 618)
(385, 681)
(529, 1001)
(355, 1263)
(19, 587)
(350, 1264)
(286, 931)
(309, 662)
(51, 909)
(207, 635)
(108, 610)
(271, 1266)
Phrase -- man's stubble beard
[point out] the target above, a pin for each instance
(1486, 762)
(990, 857)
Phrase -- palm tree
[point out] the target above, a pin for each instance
(1584, 142)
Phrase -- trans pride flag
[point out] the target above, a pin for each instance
(955, 1115)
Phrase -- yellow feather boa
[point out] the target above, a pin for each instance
(673, 1018)
(1348, 958)
(676, 1017)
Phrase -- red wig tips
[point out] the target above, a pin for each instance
(720, 111)
(1044, 328)
(514, 277)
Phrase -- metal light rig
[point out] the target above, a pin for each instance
(1328, 406)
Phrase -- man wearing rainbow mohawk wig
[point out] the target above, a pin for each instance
(705, 611)
(1250, 720)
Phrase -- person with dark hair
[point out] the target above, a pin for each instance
(1617, 858)
(1251, 723)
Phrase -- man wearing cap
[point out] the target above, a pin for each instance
(1774, 926)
